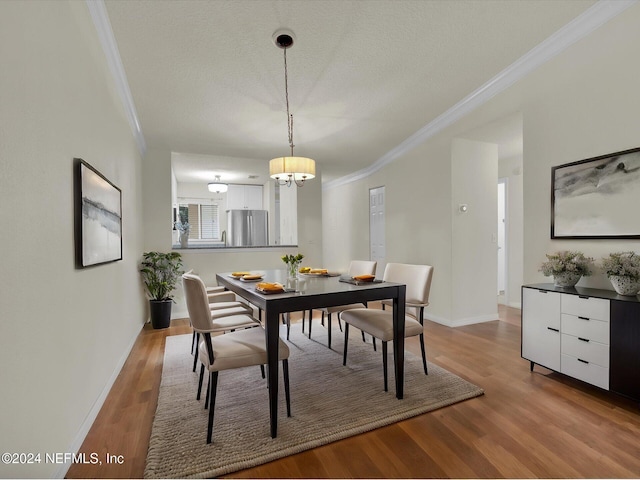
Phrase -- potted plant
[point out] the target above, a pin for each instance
(293, 263)
(623, 271)
(160, 272)
(567, 267)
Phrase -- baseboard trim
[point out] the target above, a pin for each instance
(62, 470)
(462, 321)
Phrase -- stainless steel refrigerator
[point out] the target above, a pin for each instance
(247, 228)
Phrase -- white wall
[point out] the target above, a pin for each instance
(418, 218)
(64, 332)
(474, 175)
(581, 104)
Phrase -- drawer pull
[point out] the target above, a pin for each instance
(585, 297)
(543, 291)
(583, 361)
(583, 339)
(553, 329)
(584, 318)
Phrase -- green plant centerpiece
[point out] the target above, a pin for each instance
(293, 264)
(623, 271)
(567, 267)
(160, 273)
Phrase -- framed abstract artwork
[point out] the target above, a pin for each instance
(597, 198)
(97, 217)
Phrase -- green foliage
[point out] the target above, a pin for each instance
(567, 262)
(622, 264)
(289, 259)
(160, 272)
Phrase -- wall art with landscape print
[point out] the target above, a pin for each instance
(597, 197)
(98, 217)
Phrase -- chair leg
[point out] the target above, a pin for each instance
(375, 349)
(363, 339)
(195, 355)
(310, 322)
(206, 400)
(193, 341)
(339, 323)
(384, 365)
(424, 355)
(287, 396)
(213, 382)
(328, 329)
(346, 342)
(200, 381)
(322, 320)
(304, 317)
(288, 317)
(262, 370)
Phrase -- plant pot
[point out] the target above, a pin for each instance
(184, 240)
(160, 311)
(566, 279)
(625, 285)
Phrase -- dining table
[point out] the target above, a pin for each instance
(307, 292)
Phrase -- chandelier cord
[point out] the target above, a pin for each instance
(286, 94)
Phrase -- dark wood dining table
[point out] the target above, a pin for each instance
(309, 292)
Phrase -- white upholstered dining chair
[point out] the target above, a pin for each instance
(232, 350)
(226, 313)
(379, 323)
(356, 267)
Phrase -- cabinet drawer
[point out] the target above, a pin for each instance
(592, 352)
(587, 372)
(588, 307)
(594, 330)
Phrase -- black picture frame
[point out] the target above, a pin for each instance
(97, 217)
(597, 198)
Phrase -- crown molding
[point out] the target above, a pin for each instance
(100, 18)
(581, 26)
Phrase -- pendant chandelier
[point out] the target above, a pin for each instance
(217, 186)
(289, 170)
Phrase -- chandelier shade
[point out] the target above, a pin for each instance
(297, 169)
(217, 186)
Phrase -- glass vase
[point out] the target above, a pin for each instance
(292, 269)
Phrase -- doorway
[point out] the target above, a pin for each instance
(377, 244)
(502, 240)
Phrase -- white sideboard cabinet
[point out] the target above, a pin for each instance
(589, 334)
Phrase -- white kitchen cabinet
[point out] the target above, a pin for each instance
(244, 197)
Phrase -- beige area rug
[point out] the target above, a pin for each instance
(328, 402)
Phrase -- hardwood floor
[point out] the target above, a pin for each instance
(538, 424)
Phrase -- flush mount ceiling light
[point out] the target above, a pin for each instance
(288, 170)
(217, 186)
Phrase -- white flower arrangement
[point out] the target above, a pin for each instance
(567, 262)
(622, 264)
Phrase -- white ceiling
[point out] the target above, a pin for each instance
(364, 75)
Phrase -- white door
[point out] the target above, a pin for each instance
(376, 228)
(502, 238)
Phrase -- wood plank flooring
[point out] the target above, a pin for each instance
(538, 424)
